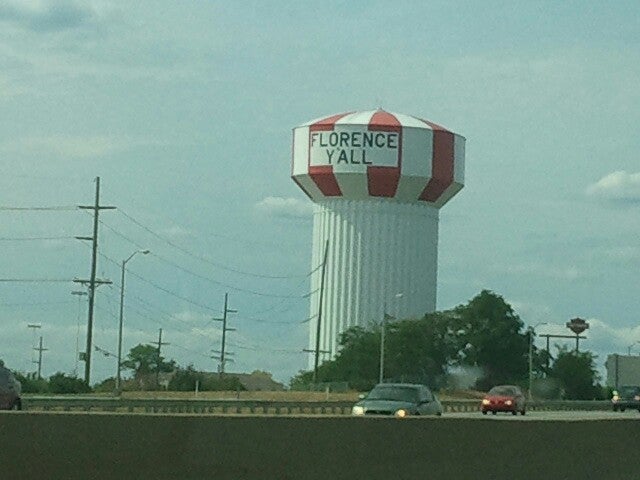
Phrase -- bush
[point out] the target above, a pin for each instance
(184, 380)
(61, 383)
(30, 384)
(108, 385)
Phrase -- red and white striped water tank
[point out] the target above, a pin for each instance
(377, 180)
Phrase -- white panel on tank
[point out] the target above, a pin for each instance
(377, 248)
(357, 118)
(300, 150)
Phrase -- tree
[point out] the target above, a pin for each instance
(577, 374)
(484, 335)
(185, 380)
(489, 337)
(421, 350)
(31, 384)
(144, 361)
(61, 383)
(415, 351)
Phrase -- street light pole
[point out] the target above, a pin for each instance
(124, 264)
(532, 332)
(630, 346)
(382, 334)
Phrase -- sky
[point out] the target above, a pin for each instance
(185, 110)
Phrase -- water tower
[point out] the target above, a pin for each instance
(378, 180)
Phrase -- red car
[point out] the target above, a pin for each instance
(504, 398)
(10, 390)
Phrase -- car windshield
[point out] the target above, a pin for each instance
(502, 390)
(629, 391)
(405, 394)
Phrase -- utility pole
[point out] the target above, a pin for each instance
(225, 329)
(33, 327)
(548, 336)
(79, 294)
(160, 343)
(319, 322)
(39, 362)
(92, 282)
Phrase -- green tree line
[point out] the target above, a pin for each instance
(478, 345)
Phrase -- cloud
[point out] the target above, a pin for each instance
(175, 231)
(47, 16)
(75, 146)
(545, 271)
(624, 254)
(285, 207)
(618, 186)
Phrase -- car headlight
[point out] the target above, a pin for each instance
(615, 398)
(486, 401)
(357, 410)
(508, 402)
(401, 413)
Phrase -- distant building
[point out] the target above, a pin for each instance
(622, 370)
(257, 381)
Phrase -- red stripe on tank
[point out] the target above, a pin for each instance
(441, 163)
(323, 175)
(383, 181)
(325, 179)
(328, 123)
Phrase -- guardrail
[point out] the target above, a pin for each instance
(208, 406)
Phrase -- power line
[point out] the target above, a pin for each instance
(106, 353)
(263, 349)
(34, 304)
(36, 280)
(190, 350)
(209, 279)
(162, 289)
(207, 260)
(274, 322)
(33, 239)
(40, 209)
(192, 328)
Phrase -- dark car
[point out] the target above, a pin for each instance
(626, 397)
(504, 398)
(10, 390)
(399, 399)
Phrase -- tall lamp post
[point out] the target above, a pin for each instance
(397, 296)
(630, 347)
(532, 333)
(124, 264)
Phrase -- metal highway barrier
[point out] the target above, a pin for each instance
(208, 406)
